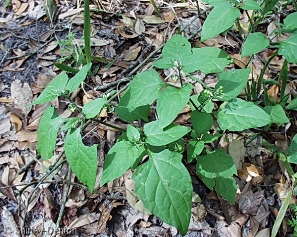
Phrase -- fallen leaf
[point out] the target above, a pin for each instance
(10, 227)
(139, 26)
(16, 122)
(22, 96)
(26, 136)
(249, 202)
(153, 20)
(131, 54)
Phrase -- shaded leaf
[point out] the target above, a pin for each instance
(288, 48)
(82, 159)
(219, 19)
(142, 91)
(171, 101)
(79, 77)
(254, 43)
(54, 89)
(165, 188)
(216, 170)
(201, 122)
(156, 135)
(119, 159)
(49, 125)
(277, 114)
(238, 115)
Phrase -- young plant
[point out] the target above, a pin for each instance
(161, 180)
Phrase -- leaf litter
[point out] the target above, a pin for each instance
(29, 49)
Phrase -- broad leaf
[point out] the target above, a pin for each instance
(171, 102)
(165, 188)
(292, 151)
(156, 135)
(233, 83)
(254, 43)
(49, 125)
(290, 22)
(292, 105)
(54, 89)
(288, 48)
(201, 122)
(277, 114)
(93, 108)
(82, 159)
(133, 134)
(219, 19)
(216, 170)
(174, 51)
(119, 159)
(238, 115)
(206, 59)
(194, 149)
(250, 5)
(79, 77)
(141, 93)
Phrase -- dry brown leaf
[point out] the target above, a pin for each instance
(153, 20)
(237, 150)
(83, 220)
(273, 93)
(132, 53)
(10, 227)
(16, 122)
(22, 96)
(8, 176)
(6, 100)
(263, 233)
(249, 202)
(139, 26)
(169, 16)
(15, 66)
(24, 135)
(5, 125)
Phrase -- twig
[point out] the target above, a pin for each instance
(65, 195)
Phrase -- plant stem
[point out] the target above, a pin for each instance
(87, 30)
(259, 83)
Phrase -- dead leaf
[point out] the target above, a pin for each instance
(16, 122)
(169, 16)
(273, 93)
(24, 135)
(132, 53)
(139, 26)
(22, 96)
(153, 20)
(237, 150)
(15, 66)
(249, 202)
(10, 227)
(5, 125)
(263, 233)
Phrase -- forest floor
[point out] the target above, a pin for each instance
(124, 34)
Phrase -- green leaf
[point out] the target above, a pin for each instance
(254, 43)
(175, 49)
(219, 19)
(238, 115)
(201, 122)
(79, 77)
(216, 170)
(250, 5)
(206, 59)
(292, 151)
(288, 48)
(165, 188)
(119, 159)
(142, 91)
(292, 105)
(277, 114)
(233, 83)
(133, 134)
(290, 22)
(49, 125)
(171, 102)
(194, 149)
(93, 108)
(82, 159)
(156, 135)
(207, 108)
(54, 89)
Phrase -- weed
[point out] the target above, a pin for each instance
(162, 182)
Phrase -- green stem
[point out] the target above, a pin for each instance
(87, 31)
(259, 83)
